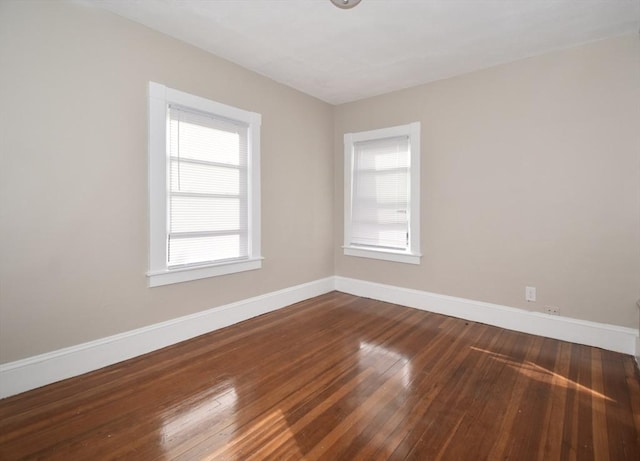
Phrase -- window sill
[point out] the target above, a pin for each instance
(385, 255)
(186, 274)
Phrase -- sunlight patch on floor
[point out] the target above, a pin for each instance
(535, 371)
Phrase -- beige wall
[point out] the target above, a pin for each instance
(73, 229)
(530, 176)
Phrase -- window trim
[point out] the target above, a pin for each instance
(159, 273)
(412, 254)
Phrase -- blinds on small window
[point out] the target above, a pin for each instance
(208, 192)
(380, 193)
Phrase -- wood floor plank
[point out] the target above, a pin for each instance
(598, 409)
(552, 440)
(339, 377)
(585, 410)
(619, 421)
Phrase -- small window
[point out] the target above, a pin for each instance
(382, 194)
(204, 187)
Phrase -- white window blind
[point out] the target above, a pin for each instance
(208, 192)
(380, 193)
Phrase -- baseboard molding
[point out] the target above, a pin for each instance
(40, 370)
(610, 337)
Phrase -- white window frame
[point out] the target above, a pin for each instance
(160, 97)
(412, 254)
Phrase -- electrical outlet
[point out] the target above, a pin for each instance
(553, 310)
(530, 294)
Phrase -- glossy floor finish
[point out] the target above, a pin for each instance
(340, 378)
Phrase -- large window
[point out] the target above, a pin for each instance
(204, 187)
(382, 194)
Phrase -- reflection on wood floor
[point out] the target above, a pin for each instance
(340, 377)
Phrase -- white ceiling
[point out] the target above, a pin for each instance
(380, 45)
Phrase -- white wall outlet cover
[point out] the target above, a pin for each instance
(530, 294)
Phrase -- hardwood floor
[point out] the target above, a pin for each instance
(340, 378)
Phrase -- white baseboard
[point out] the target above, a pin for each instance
(40, 370)
(610, 337)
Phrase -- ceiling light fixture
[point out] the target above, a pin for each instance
(345, 4)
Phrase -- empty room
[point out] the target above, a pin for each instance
(320, 230)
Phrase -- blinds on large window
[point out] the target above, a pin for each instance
(380, 193)
(208, 192)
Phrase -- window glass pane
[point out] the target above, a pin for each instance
(201, 214)
(382, 154)
(379, 236)
(204, 249)
(375, 216)
(206, 179)
(382, 188)
(202, 137)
